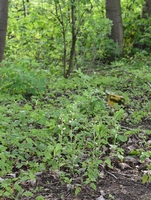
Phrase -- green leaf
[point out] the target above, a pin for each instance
(40, 198)
(18, 187)
(28, 194)
(144, 178)
(108, 162)
(77, 190)
(58, 148)
(122, 138)
(93, 186)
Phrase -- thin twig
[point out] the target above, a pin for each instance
(127, 128)
(148, 83)
(111, 174)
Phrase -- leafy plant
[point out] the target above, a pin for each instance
(21, 80)
(65, 127)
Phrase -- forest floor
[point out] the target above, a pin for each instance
(123, 182)
(127, 130)
(118, 185)
(115, 185)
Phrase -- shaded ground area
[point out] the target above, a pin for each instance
(123, 182)
(119, 186)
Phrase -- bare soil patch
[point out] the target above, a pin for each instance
(114, 185)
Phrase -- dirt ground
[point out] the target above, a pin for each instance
(123, 182)
(124, 185)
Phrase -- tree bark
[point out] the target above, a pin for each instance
(3, 25)
(113, 12)
(146, 11)
(74, 38)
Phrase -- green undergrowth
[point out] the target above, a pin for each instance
(66, 125)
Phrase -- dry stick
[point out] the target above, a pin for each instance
(111, 174)
(148, 83)
(128, 175)
(108, 172)
(132, 129)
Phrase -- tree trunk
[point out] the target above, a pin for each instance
(74, 38)
(113, 12)
(146, 11)
(3, 25)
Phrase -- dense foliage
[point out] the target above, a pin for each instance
(65, 125)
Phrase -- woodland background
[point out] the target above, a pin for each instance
(75, 86)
